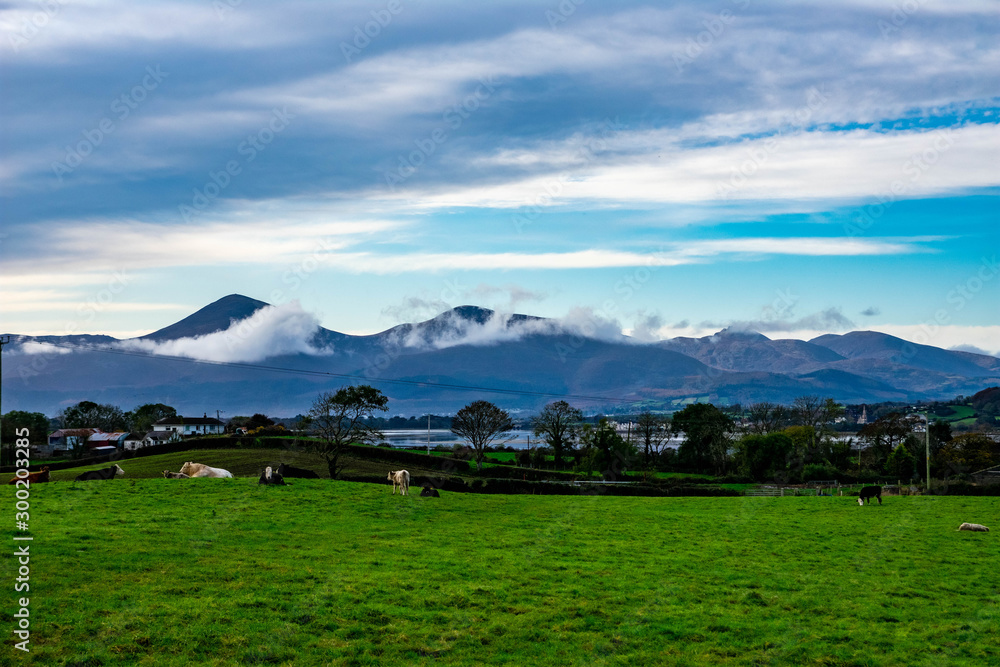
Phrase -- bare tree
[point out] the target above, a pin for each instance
(652, 432)
(559, 425)
(481, 423)
(339, 419)
(765, 418)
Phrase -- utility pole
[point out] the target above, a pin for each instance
(927, 447)
(4, 340)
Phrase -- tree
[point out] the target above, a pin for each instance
(817, 414)
(559, 424)
(605, 449)
(706, 443)
(968, 453)
(883, 436)
(87, 414)
(339, 419)
(142, 418)
(481, 423)
(901, 464)
(764, 418)
(36, 423)
(652, 432)
(258, 421)
(763, 457)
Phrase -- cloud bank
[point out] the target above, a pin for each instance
(270, 332)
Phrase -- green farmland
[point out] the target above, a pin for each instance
(223, 572)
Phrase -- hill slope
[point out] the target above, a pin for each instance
(529, 361)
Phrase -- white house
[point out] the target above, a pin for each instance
(190, 425)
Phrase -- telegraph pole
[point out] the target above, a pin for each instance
(927, 447)
(4, 340)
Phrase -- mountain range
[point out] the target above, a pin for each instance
(441, 364)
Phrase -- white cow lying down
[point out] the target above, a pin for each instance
(201, 470)
(400, 478)
(976, 527)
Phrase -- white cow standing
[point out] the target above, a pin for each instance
(201, 470)
(400, 478)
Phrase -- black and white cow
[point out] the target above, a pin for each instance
(867, 493)
(270, 477)
(103, 473)
(291, 471)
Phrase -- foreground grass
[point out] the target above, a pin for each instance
(223, 572)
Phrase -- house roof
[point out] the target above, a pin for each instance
(100, 436)
(191, 421)
(72, 431)
(134, 436)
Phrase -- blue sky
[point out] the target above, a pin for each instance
(658, 169)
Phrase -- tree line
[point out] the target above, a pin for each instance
(761, 442)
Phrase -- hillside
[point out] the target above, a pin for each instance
(279, 365)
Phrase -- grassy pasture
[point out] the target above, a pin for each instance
(223, 572)
(240, 462)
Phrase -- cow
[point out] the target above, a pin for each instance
(201, 470)
(103, 473)
(400, 478)
(291, 471)
(974, 527)
(428, 492)
(33, 477)
(270, 477)
(869, 492)
(174, 475)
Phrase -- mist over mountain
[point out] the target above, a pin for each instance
(241, 356)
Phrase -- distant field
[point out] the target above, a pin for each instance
(961, 412)
(240, 462)
(223, 572)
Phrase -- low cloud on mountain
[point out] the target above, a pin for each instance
(452, 329)
(269, 332)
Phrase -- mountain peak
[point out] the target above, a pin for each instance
(740, 333)
(216, 316)
(475, 314)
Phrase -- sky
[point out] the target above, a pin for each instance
(663, 169)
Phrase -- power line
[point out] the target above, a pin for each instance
(303, 371)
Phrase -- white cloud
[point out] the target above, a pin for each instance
(501, 327)
(33, 347)
(271, 331)
(821, 165)
(669, 255)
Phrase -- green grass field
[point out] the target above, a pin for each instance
(223, 572)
